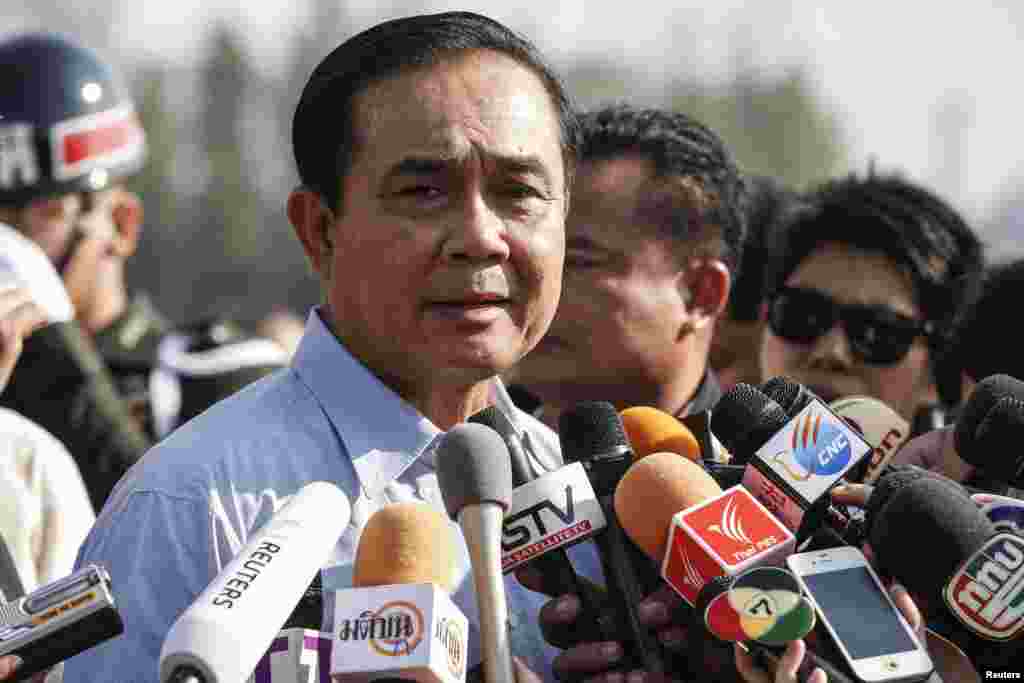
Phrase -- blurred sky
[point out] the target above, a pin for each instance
(926, 86)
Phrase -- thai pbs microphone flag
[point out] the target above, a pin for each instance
(725, 535)
(802, 461)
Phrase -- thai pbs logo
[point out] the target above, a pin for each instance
(818, 446)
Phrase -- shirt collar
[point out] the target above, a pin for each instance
(707, 395)
(381, 432)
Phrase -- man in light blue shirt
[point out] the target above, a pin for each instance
(435, 154)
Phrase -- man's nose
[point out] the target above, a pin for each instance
(832, 351)
(477, 233)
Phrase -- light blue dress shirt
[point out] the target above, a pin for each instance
(181, 513)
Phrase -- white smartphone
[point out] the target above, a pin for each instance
(867, 628)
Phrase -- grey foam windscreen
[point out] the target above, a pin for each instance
(473, 468)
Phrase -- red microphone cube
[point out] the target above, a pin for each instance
(725, 535)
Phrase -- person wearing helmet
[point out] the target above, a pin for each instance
(69, 138)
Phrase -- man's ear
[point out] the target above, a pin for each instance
(312, 222)
(128, 216)
(707, 284)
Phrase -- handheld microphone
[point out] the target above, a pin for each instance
(881, 426)
(653, 431)
(59, 620)
(700, 535)
(990, 427)
(578, 518)
(792, 469)
(974, 571)
(223, 634)
(592, 434)
(476, 483)
(398, 622)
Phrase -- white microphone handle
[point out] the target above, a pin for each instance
(481, 526)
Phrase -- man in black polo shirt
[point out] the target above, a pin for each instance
(653, 238)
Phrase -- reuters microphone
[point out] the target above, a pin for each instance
(222, 635)
(398, 622)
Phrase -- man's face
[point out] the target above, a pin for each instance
(828, 364)
(447, 249)
(106, 221)
(623, 303)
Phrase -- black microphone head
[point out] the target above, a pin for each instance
(791, 396)
(995, 446)
(925, 532)
(894, 478)
(986, 394)
(494, 418)
(590, 430)
(744, 419)
(473, 468)
(309, 611)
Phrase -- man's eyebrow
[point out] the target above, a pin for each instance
(523, 164)
(420, 166)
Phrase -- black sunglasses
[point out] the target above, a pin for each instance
(878, 335)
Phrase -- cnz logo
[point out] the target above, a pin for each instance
(819, 447)
(449, 634)
(987, 593)
(393, 630)
(519, 535)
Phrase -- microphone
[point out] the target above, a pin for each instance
(301, 651)
(577, 519)
(972, 570)
(793, 465)
(223, 634)
(592, 434)
(652, 431)
(989, 429)
(398, 622)
(475, 476)
(881, 426)
(677, 514)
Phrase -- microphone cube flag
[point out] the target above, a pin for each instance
(409, 631)
(723, 536)
(987, 593)
(802, 461)
(552, 511)
(296, 655)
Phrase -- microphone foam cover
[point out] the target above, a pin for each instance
(473, 468)
(652, 491)
(744, 419)
(492, 417)
(986, 394)
(591, 429)
(406, 543)
(791, 396)
(996, 443)
(927, 515)
(651, 431)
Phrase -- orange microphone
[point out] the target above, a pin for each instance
(652, 431)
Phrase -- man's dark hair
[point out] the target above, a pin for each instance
(985, 344)
(322, 129)
(679, 147)
(919, 231)
(767, 203)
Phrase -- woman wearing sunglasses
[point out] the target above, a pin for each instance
(868, 280)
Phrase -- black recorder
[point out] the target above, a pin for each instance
(57, 621)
